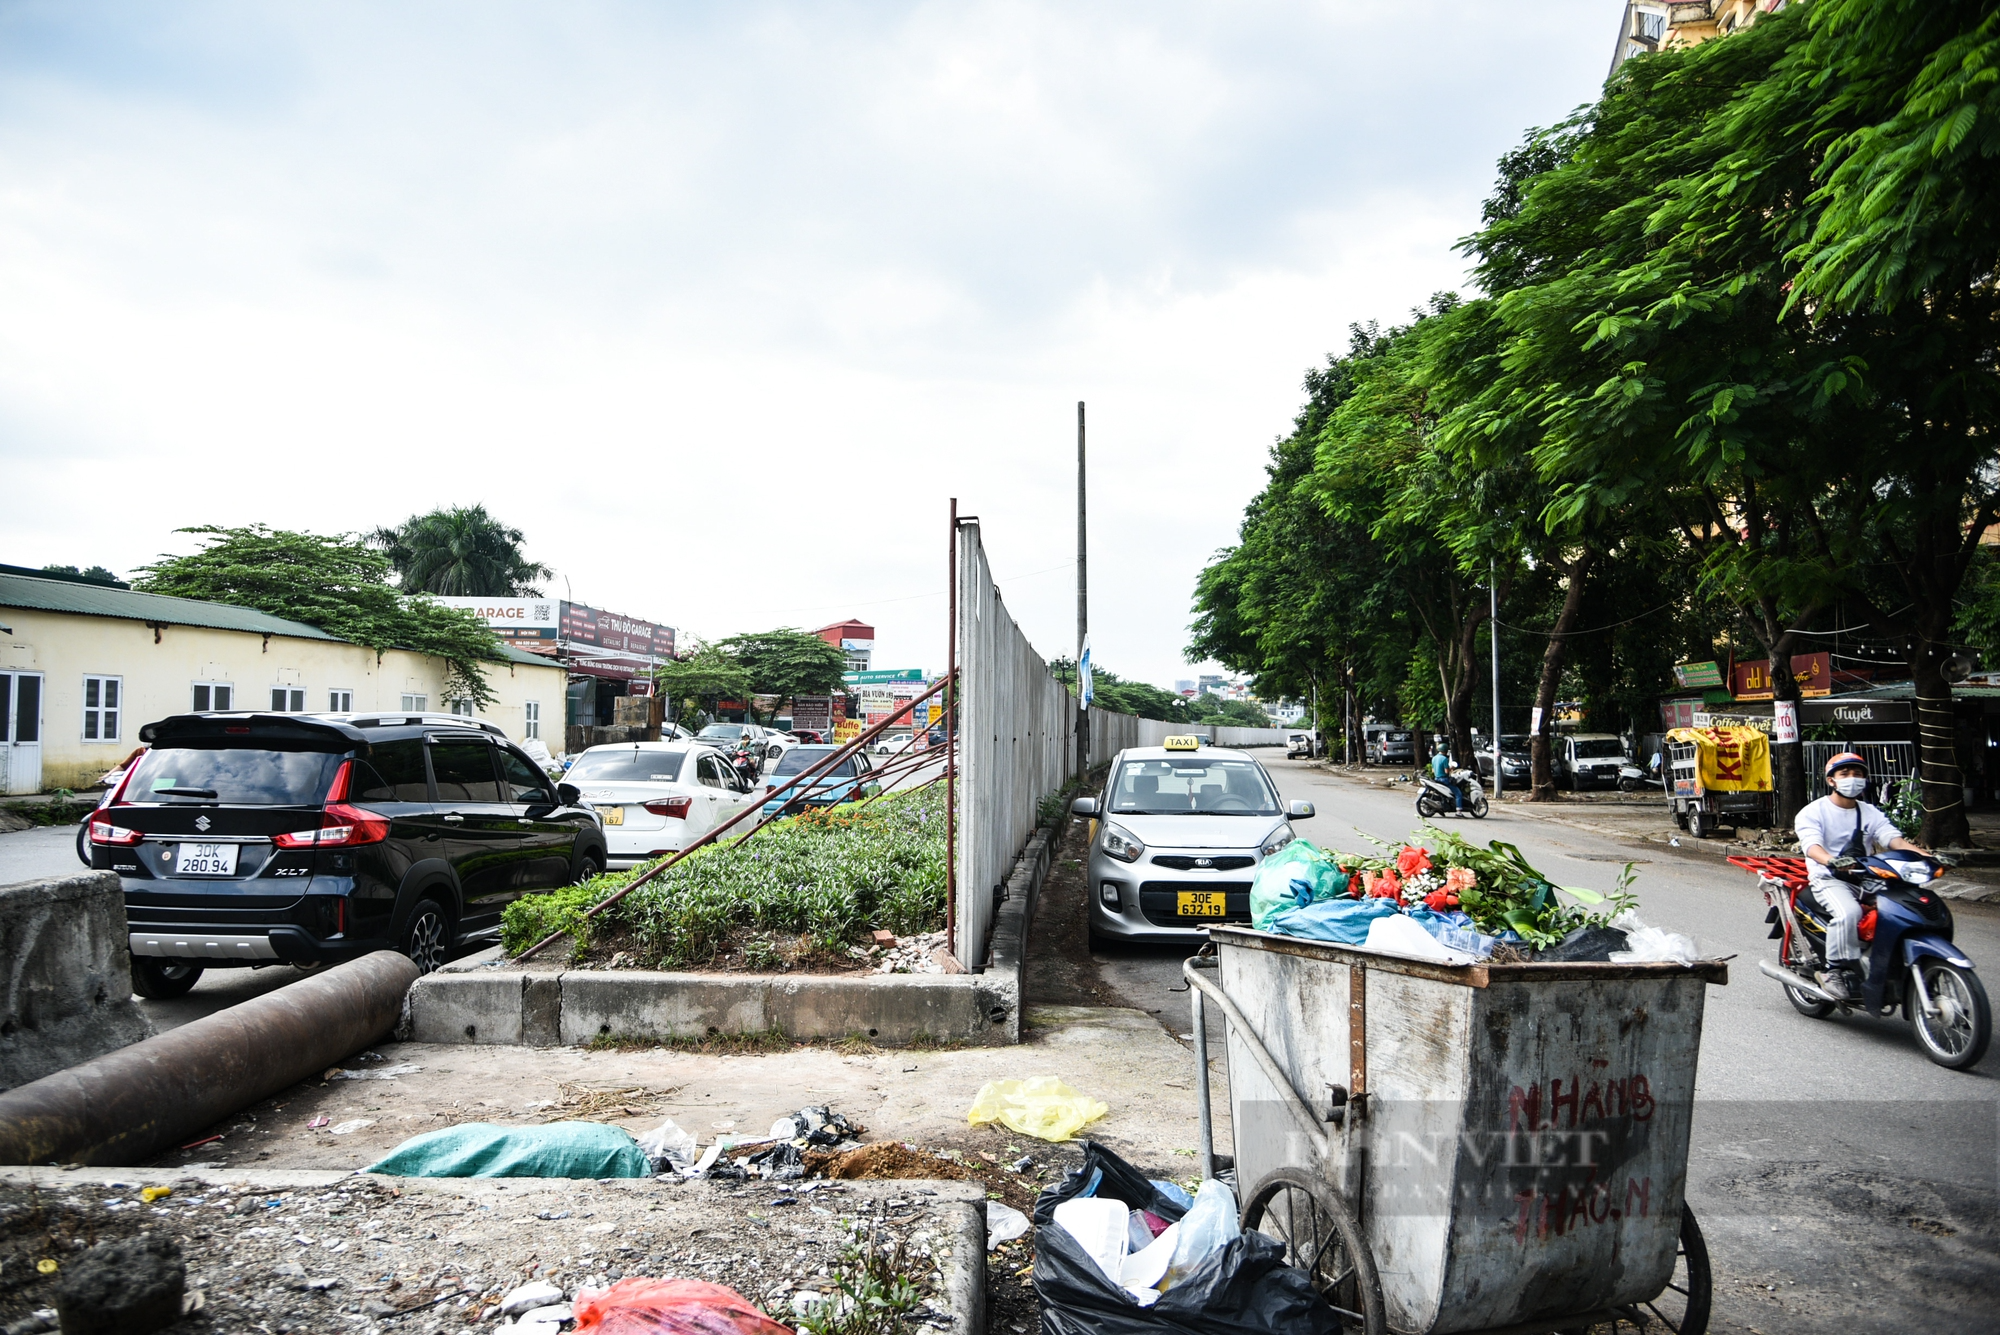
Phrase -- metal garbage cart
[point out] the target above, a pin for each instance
(1494, 1147)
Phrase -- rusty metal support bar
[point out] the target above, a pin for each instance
(127, 1106)
(951, 741)
(813, 771)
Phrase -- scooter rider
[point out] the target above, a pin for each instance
(1441, 771)
(1842, 821)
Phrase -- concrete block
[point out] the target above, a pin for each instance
(641, 1004)
(541, 1010)
(67, 975)
(481, 1007)
(892, 1008)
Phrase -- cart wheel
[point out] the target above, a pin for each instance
(1682, 1307)
(1320, 1238)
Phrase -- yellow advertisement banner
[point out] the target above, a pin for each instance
(1729, 760)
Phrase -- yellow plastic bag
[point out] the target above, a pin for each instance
(1042, 1107)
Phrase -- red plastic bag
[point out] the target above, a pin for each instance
(1865, 929)
(640, 1306)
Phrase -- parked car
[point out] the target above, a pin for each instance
(1180, 832)
(1515, 759)
(764, 743)
(846, 781)
(657, 797)
(245, 840)
(1592, 759)
(1299, 744)
(890, 743)
(1395, 748)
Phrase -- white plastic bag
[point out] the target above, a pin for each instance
(1399, 935)
(1145, 1268)
(1003, 1224)
(1209, 1225)
(667, 1146)
(1101, 1227)
(1652, 945)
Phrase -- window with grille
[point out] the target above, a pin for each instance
(462, 708)
(533, 724)
(216, 695)
(288, 700)
(340, 702)
(101, 708)
(415, 704)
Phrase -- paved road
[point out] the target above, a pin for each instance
(1844, 1182)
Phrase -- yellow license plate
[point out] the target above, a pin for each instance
(612, 815)
(1202, 903)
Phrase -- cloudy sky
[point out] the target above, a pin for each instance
(722, 303)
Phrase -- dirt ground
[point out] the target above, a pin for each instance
(1120, 1055)
(316, 1252)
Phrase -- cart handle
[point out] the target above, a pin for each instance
(1315, 1133)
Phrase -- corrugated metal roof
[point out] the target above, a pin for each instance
(101, 600)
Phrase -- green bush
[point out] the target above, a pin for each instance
(827, 875)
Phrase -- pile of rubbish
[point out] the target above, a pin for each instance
(1120, 1253)
(924, 952)
(637, 1304)
(1452, 903)
(598, 1150)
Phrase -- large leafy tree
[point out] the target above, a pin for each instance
(787, 662)
(337, 583)
(460, 552)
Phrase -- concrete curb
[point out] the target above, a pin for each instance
(1016, 916)
(576, 1006)
(965, 1272)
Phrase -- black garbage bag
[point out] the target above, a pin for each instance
(1244, 1286)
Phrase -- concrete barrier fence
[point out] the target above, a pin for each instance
(68, 975)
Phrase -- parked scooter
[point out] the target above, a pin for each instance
(1906, 932)
(1631, 778)
(1436, 798)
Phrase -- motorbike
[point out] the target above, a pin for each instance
(747, 768)
(1911, 963)
(1437, 798)
(1631, 778)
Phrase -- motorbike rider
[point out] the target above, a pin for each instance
(1441, 771)
(1833, 832)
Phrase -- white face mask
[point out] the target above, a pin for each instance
(1853, 787)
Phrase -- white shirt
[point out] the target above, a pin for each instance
(1831, 827)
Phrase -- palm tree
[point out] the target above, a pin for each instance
(461, 552)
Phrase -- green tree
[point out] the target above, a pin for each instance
(787, 662)
(708, 673)
(337, 583)
(91, 572)
(460, 552)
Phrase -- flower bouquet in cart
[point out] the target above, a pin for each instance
(1472, 900)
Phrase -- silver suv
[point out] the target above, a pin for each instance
(1176, 839)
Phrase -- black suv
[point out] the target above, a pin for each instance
(253, 839)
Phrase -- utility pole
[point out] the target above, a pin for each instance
(1493, 633)
(1082, 604)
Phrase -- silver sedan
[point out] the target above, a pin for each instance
(1176, 839)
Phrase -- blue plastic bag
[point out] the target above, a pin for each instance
(1342, 921)
(1295, 876)
(479, 1149)
(1455, 930)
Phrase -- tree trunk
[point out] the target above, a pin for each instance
(1945, 825)
(1788, 760)
(1458, 705)
(1543, 782)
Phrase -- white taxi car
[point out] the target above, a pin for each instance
(656, 797)
(1177, 837)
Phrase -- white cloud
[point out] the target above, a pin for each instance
(720, 304)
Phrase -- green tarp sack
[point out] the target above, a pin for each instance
(479, 1149)
(1291, 878)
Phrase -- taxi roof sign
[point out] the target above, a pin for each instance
(1181, 743)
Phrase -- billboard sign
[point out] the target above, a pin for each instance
(1813, 672)
(525, 623)
(883, 677)
(1697, 674)
(813, 713)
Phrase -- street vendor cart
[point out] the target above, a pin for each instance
(1487, 1147)
(1719, 776)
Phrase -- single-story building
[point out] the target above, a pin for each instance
(85, 664)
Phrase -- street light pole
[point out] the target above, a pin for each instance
(1493, 635)
(1082, 604)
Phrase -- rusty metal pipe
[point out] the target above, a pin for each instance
(127, 1106)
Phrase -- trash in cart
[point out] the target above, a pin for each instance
(1200, 1273)
(1506, 1140)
